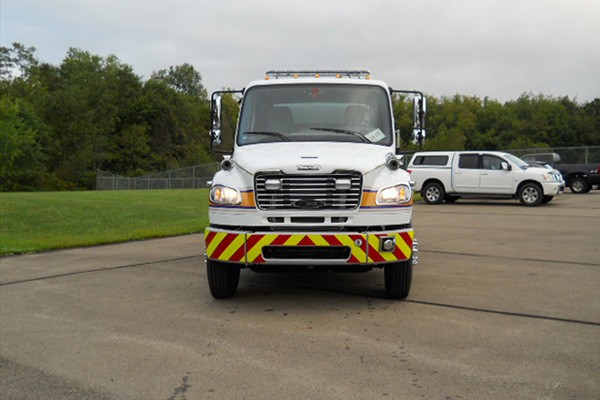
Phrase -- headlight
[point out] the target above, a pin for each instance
(225, 195)
(549, 178)
(398, 194)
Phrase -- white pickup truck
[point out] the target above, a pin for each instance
(453, 175)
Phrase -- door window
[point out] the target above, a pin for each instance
(431, 160)
(492, 162)
(468, 161)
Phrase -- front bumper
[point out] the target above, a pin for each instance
(553, 188)
(308, 248)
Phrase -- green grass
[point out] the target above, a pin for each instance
(38, 221)
(31, 222)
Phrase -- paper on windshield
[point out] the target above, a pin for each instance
(375, 136)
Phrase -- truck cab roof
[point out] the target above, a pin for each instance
(290, 77)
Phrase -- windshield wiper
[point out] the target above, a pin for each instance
(267, 133)
(344, 131)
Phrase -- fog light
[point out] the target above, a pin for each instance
(387, 244)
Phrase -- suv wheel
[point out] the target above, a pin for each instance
(433, 193)
(531, 194)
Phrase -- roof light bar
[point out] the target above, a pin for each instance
(350, 73)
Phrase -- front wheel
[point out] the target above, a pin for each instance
(433, 193)
(398, 279)
(223, 278)
(578, 185)
(531, 194)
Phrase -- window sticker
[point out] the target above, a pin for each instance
(375, 136)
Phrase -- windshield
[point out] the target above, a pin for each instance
(520, 163)
(315, 113)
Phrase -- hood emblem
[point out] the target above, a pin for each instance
(308, 167)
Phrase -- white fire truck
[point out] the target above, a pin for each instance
(312, 180)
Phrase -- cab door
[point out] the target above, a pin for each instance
(465, 174)
(493, 178)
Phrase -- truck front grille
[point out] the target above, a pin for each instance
(338, 191)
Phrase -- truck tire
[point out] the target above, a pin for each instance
(531, 194)
(398, 278)
(223, 278)
(433, 193)
(578, 185)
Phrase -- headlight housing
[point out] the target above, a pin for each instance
(549, 178)
(225, 195)
(393, 195)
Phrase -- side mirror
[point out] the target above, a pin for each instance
(419, 112)
(215, 112)
(505, 166)
(418, 136)
(223, 113)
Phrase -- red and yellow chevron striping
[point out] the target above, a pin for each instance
(241, 247)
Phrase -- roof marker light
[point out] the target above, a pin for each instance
(359, 74)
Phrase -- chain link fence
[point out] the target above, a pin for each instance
(568, 155)
(182, 178)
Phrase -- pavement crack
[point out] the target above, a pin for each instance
(101, 269)
(180, 391)
(507, 313)
(464, 308)
(509, 257)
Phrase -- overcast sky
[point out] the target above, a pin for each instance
(494, 48)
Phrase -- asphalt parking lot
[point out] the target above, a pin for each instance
(505, 304)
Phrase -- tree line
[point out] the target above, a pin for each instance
(59, 124)
(531, 121)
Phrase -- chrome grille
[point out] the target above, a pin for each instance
(308, 191)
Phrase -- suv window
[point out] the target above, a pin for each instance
(492, 162)
(468, 161)
(431, 160)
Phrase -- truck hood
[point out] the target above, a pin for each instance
(310, 157)
(539, 170)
